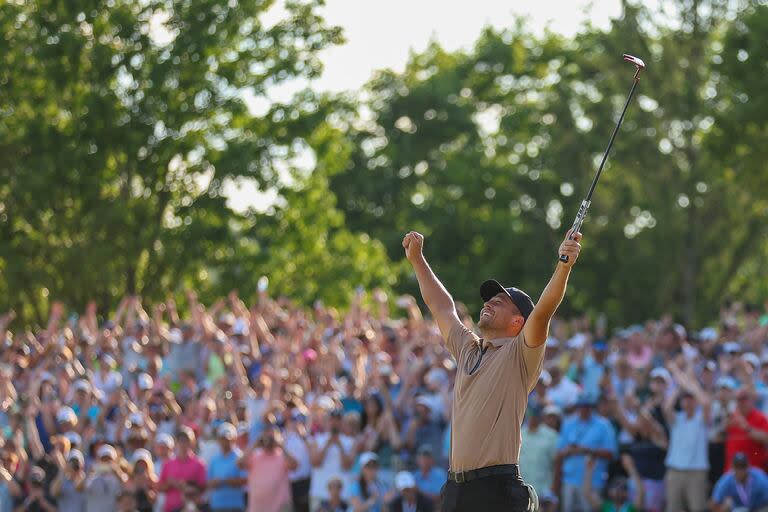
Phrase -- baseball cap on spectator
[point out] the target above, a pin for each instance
(240, 328)
(47, 377)
(708, 334)
(522, 300)
(553, 342)
(404, 480)
(108, 361)
(76, 455)
(136, 419)
(752, 359)
(227, 431)
(367, 458)
(553, 410)
(66, 415)
(425, 449)
(37, 475)
(227, 319)
(545, 378)
(175, 335)
(436, 376)
(186, 432)
(600, 346)
(74, 438)
(82, 385)
(106, 451)
(577, 341)
(661, 373)
(145, 382)
(731, 348)
(585, 400)
(326, 403)
(425, 401)
(165, 440)
(141, 454)
(710, 366)
(726, 382)
(740, 460)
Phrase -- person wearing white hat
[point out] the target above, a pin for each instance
(408, 498)
(370, 492)
(105, 481)
(142, 480)
(69, 485)
(225, 478)
(66, 418)
(331, 453)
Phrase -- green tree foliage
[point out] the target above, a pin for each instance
(122, 121)
(490, 152)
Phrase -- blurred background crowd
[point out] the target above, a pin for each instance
(275, 407)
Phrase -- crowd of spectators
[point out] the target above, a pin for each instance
(277, 407)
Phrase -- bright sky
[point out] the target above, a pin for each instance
(381, 34)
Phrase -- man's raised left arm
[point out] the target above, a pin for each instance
(536, 328)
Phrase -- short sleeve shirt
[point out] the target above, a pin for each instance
(493, 381)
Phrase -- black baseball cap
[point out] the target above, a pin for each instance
(740, 460)
(522, 300)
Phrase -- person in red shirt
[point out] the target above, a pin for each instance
(747, 432)
(182, 471)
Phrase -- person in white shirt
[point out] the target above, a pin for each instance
(295, 444)
(331, 453)
(563, 392)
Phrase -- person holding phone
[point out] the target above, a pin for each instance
(331, 453)
(268, 466)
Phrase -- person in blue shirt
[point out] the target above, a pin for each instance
(742, 488)
(429, 479)
(225, 478)
(369, 492)
(584, 434)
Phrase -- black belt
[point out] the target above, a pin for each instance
(467, 476)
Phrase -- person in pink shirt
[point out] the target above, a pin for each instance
(183, 470)
(269, 489)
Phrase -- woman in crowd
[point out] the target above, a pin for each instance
(370, 493)
(142, 481)
(268, 466)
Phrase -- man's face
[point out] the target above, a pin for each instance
(499, 313)
(741, 473)
(425, 461)
(744, 402)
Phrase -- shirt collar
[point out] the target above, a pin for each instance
(497, 342)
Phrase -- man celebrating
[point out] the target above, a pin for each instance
(495, 375)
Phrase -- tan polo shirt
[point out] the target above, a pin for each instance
(489, 405)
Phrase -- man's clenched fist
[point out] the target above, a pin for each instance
(413, 243)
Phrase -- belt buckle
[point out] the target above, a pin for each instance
(460, 478)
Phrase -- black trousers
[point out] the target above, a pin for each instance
(300, 495)
(495, 493)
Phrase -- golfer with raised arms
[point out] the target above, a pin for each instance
(495, 374)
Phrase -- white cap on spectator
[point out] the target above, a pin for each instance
(66, 415)
(725, 382)
(577, 341)
(661, 373)
(708, 334)
(423, 400)
(108, 361)
(731, 347)
(240, 328)
(752, 359)
(165, 440)
(436, 376)
(76, 455)
(74, 438)
(82, 385)
(141, 454)
(47, 377)
(136, 419)
(326, 403)
(227, 431)
(680, 330)
(553, 410)
(175, 336)
(243, 428)
(545, 378)
(553, 342)
(404, 480)
(145, 382)
(227, 319)
(367, 458)
(106, 450)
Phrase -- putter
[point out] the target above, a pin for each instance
(639, 66)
